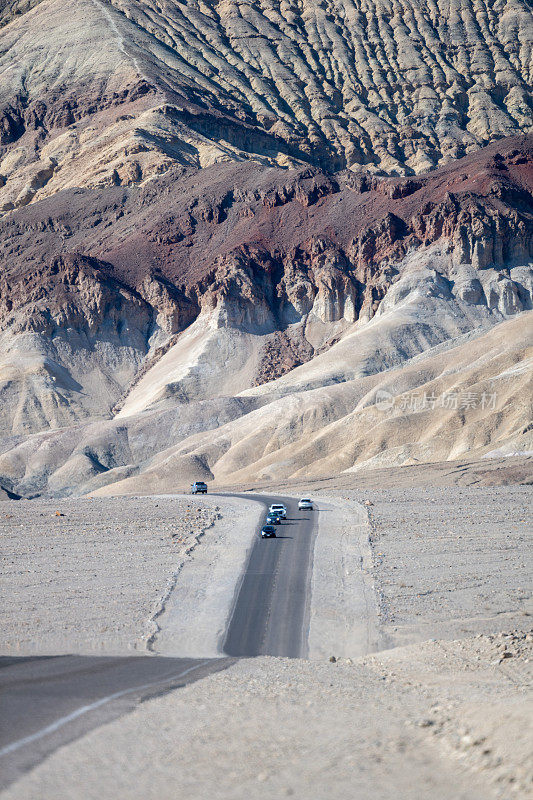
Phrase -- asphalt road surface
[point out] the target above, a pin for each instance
(48, 701)
(271, 610)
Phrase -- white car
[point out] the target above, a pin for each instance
(305, 503)
(279, 509)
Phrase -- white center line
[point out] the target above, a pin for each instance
(54, 726)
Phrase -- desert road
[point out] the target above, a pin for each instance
(50, 700)
(270, 616)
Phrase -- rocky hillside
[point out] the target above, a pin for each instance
(97, 284)
(112, 92)
(259, 214)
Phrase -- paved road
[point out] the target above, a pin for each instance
(48, 701)
(271, 611)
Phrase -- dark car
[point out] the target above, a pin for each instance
(273, 519)
(268, 532)
(199, 487)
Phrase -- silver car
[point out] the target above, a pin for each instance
(304, 504)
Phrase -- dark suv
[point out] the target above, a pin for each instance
(199, 487)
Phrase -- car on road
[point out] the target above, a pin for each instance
(279, 509)
(273, 519)
(268, 532)
(199, 487)
(304, 504)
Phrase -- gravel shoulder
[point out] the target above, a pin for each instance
(343, 606)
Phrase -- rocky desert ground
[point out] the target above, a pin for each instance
(425, 691)
(94, 576)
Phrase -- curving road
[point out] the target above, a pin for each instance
(48, 701)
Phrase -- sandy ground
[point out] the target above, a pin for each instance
(452, 562)
(433, 721)
(98, 577)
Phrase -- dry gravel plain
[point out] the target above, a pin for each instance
(450, 562)
(88, 575)
(442, 713)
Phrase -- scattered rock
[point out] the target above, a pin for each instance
(505, 655)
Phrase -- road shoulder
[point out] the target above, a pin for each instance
(344, 608)
(195, 614)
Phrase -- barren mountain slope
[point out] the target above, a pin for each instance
(150, 294)
(98, 285)
(106, 92)
(393, 391)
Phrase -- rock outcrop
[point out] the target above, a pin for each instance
(284, 243)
